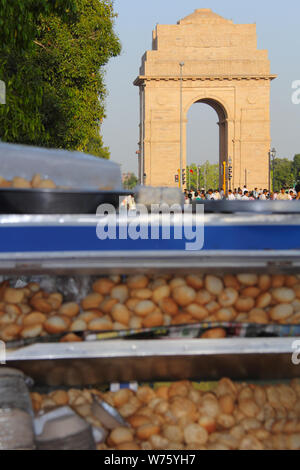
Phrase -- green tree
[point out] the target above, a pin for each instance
(18, 20)
(208, 176)
(130, 182)
(21, 119)
(283, 174)
(296, 168)
(55, 88)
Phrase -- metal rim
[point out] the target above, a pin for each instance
(273, 207)
(65, 191)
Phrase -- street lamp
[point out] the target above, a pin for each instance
(181, 129)
(273, 156)
(138, 153)
(230, 171)
(198, 177)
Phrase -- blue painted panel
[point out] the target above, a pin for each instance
(83, 238)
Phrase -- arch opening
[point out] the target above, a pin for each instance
(207, 141)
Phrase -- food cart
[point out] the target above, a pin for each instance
(67, 246)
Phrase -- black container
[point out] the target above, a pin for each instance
(56, 201)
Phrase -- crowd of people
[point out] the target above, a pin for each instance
(232, 195)
(242, 195)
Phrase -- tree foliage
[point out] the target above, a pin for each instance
(296, 168)
(283, 174)
(208, 176)
(19, 18)
(130, 181)
(286, 174)
(55, 84)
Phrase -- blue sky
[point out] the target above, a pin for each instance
(277, 30)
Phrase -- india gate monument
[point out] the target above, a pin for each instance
(205, 58)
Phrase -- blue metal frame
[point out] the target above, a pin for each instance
(48, 238)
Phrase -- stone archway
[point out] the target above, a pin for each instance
(223, 129)
(222, 68)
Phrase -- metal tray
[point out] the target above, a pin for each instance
(81, 364)
(187, 331)
(56, 201)
(258, 207)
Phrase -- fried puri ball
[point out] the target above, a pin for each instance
(121, 435)
(195, 434)
(184, 295)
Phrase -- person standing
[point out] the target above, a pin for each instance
(231, 196)
(125, 203)
(282, 196)
(186, 197)
(263, 196)
(239, 195)
(131, 203)
(217, 195)
(209, 195)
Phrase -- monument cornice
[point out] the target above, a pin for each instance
(140, 80)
